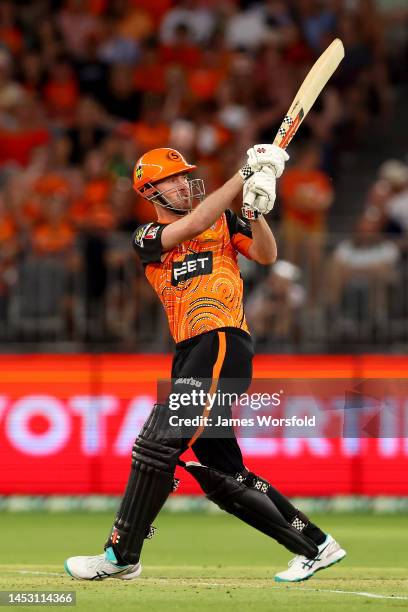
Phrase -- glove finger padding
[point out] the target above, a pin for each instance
(263, 185)
(269, 171)
(249, 195)
(263, 204)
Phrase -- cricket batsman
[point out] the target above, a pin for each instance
(190, 259)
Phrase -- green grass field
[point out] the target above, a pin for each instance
(210, 562)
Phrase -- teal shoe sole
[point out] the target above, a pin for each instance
(67, 570)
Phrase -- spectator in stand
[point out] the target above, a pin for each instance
(388, 198)
(11, 92)
(274, 89)
(182, 50)
(363, 80)
(114, 48)
(10, 34)
(194, 16)
(360, 272)
(157, 9)
(210, 139)
(8, 229)
(318, 23)
(396, 208)
(89, 129)
(122, 201)
(281, 27)
(120, 98)
(9, 251)
(48, 40)
(55, 235)
(47, 173)
(150, 74)
(93, 217)
(205, 79)
(23, 130)
(91, 70)
(92, 210)
(43, 300)
(273, 308)
(211, 136)
(120, 154)
(151, 131)
(306, 193)
(25, 207)
(32, 73)
(61, 92)
(244, 30)
(132, 21)
(76, 24)
(123, 300)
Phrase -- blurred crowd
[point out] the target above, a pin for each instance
(358, 289)
(86, 86)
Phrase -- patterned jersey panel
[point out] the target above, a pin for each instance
(198, 282)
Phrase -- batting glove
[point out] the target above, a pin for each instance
(259, 194)
(267, 155)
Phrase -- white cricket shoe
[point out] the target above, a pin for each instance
(302, 568)
(100, 567)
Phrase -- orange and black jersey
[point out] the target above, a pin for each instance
(198, 281)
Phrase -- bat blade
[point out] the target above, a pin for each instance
(316, 79)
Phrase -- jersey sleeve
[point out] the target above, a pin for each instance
(240, 233)
(146, 241)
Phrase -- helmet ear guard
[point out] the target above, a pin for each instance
(149, 191)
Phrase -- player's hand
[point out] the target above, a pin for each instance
(267, 155)
(259, 193)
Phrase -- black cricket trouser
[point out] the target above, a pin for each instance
(224, 355)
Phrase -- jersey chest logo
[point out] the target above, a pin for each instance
(194, 264)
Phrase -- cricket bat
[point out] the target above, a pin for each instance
(309, 90)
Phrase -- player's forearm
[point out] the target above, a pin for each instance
(263, 248)
(215, 204)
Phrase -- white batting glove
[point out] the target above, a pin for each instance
(267, 155)
(259, 194)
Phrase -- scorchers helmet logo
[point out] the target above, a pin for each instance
(174, 156)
